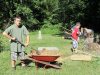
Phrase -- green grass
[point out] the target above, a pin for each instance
(49, 40)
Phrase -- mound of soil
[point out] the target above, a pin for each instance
(50, 53)
(91, 46)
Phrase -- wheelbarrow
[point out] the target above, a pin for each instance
(43, 59)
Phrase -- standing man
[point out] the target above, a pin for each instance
(17, 31)
(75, 34)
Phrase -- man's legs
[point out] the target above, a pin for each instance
(13, 63)
(13, 59)
(22, 59)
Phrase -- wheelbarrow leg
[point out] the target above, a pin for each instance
(36, 65)
(44, 67)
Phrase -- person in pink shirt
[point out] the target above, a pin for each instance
(75, 34)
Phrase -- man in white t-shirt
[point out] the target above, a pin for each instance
(90, 32)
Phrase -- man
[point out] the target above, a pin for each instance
(89, 32)
(17, 31)
(75, 34)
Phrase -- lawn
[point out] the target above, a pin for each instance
(48, 40)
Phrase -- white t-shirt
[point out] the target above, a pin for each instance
(89, 30)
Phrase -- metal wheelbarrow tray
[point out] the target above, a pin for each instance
(44, 59)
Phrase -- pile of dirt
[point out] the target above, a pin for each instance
(91, 46)
(53, 53)
(50, 53)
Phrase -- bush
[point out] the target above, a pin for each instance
(51, 29)
(48, 29)
(1, 31)
(1, 46)
(34, 32)
(4, 43)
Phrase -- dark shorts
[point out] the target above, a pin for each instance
(14, 55)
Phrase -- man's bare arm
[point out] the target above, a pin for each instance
(28, 39)
(6, 35)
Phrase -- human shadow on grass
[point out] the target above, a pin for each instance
(27, 62)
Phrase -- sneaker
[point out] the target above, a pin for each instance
(14, 68)
(25, 66)
(72, 49)
(75, 51)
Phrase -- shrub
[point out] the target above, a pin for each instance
(1, 45)
(51, 29)
(4, 43)
(1, 31)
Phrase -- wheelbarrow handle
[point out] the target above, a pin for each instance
(37, 52)
(31, 48)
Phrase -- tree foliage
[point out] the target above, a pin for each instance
(37, 14)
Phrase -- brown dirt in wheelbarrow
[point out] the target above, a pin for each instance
(52, 53)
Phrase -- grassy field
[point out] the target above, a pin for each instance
(49, 40)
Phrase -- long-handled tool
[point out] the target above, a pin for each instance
(87, 53)
(37, 52)
(86, 57)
